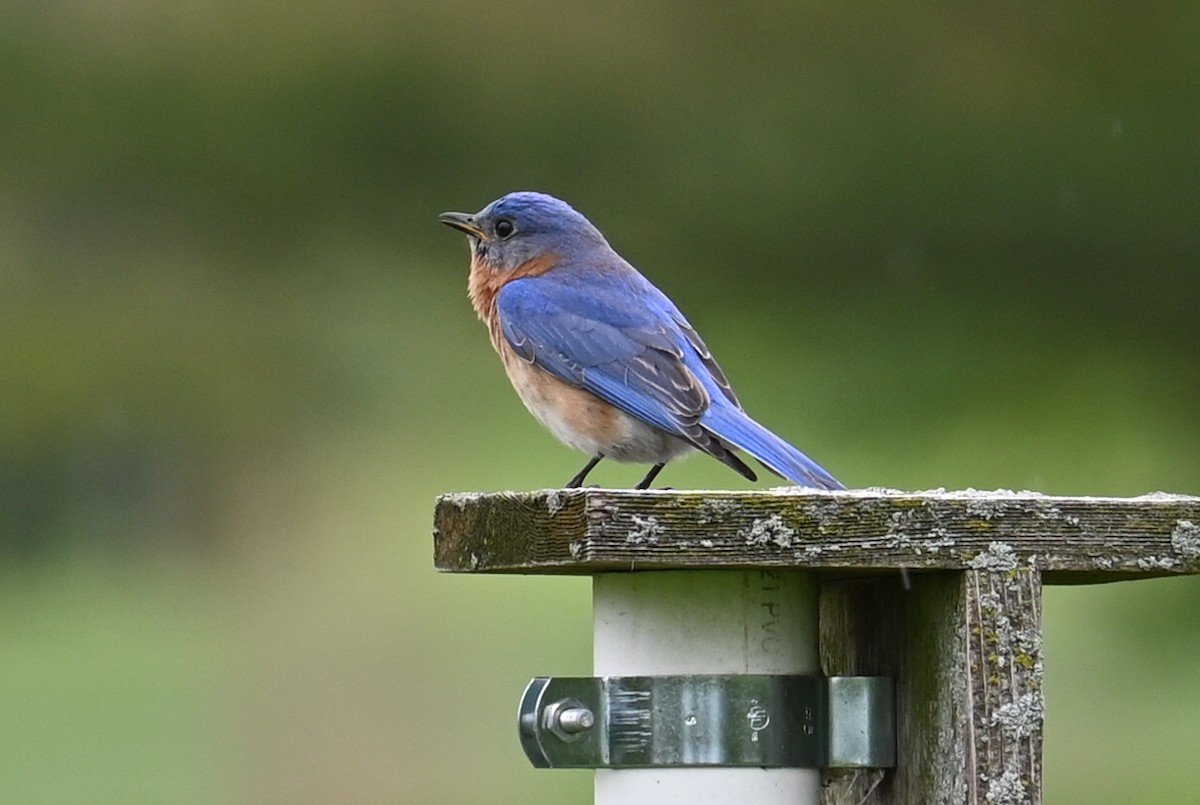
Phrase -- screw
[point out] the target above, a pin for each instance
(576, 719)
(568, 719)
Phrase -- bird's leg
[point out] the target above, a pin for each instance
(650, 476)
(577, 481)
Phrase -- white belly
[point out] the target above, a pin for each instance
(582, 420)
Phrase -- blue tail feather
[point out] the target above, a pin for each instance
(733, 426)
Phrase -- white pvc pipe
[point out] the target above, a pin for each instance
(705, 622)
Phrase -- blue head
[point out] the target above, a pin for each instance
(520, 227)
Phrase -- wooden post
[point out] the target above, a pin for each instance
(963, 641)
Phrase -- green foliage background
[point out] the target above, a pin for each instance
(934, 245)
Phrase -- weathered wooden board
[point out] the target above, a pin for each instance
(584, 531)
(965, 650)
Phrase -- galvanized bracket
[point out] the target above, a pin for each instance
(735, 720)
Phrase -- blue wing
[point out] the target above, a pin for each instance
(622, 339)
(634, 356)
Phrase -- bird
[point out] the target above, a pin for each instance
(599, 355)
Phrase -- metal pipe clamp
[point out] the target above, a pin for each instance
(769, 721)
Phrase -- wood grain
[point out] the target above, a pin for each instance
(1070, 539)
(965, 651)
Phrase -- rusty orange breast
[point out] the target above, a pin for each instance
(485, 283)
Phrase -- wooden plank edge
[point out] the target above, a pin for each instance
(599, 530)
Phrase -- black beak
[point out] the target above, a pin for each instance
(462, 221)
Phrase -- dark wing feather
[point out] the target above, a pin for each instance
(706, 357)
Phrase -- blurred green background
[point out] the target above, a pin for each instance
(237, 363)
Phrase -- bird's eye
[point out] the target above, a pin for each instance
(504, 228)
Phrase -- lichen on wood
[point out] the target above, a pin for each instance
(593, 530)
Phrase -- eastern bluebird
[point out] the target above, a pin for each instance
(599, 355)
